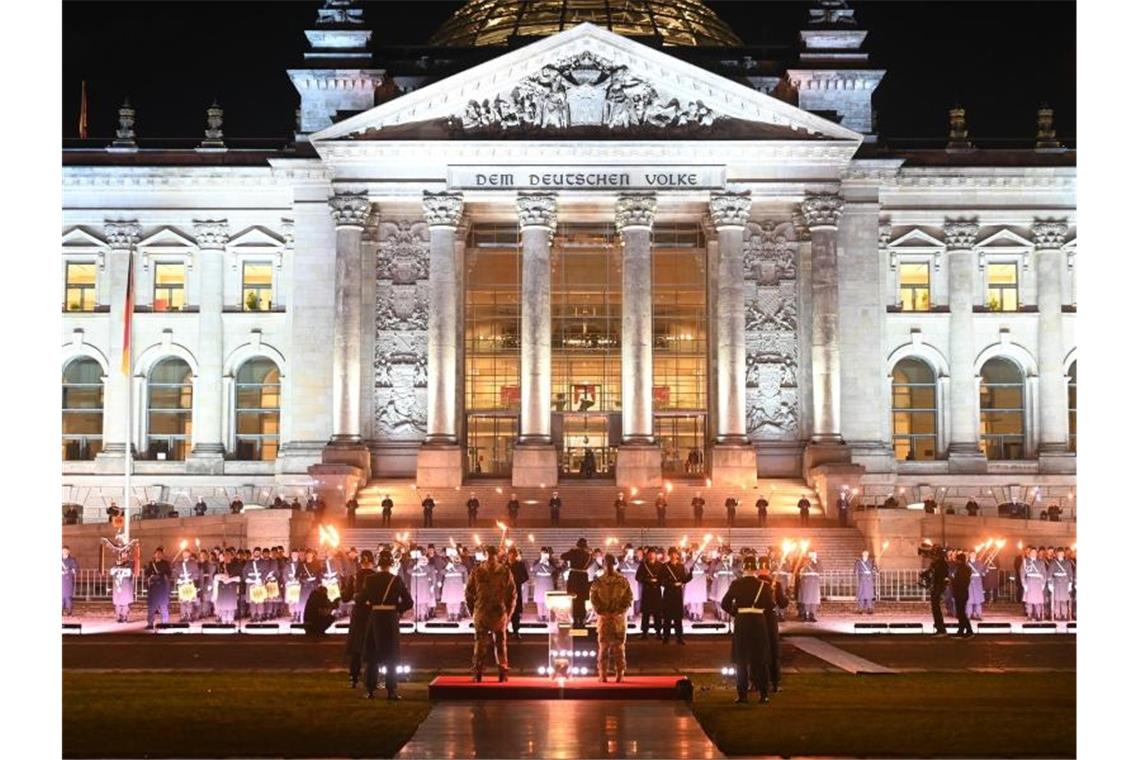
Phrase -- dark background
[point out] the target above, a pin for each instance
(998, 59)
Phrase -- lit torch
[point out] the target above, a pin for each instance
(503, 527)
(530, 537)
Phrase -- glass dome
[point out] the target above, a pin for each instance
(497, 22)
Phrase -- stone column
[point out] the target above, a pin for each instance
(349, 212)
(535, 460)
(961, 263)
(821, 213)
(639, 459)
(208, 452)
(1053, 395)
(440, 461)
(122, 236)
(733, 457)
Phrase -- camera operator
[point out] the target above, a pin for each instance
(934, 578)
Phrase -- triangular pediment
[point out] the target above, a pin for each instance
(80, 238)
(1005, 239)
(916, 240)
(256, 237)
(167, 238)
(586, 82)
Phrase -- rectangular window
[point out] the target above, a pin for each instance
(80, 285)
(914, 287)
(169, 287)
(257, 286)
(1001, 287)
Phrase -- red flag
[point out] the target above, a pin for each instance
(128, 314)
(83, 111)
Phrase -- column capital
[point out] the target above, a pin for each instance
(212, 234)
(822, 210)
(730, 209)
(122, 234)
(635, 210)
(960, 234)
(443, 209)
(1049, 234)
(350, 209)
(537, 210)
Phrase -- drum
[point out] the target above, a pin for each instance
(293, 592)
(272, 590)
(333, 587)
(187, 592)
(257, 593)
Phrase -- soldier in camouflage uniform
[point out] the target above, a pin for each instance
(611, 597)
(491, 599)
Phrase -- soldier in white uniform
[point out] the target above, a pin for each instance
(865, 570)
(628, 568)
(1033, 581)
(542, 574)
(1061, 577)
(724, 572)
(697, 590)
(453, 582)
(187, 576)
(809, 586)
(422, 586)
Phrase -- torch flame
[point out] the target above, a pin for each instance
(452, 540)
(668, 486)
(804, 545)
(1001, 543)
(183, 544)
(530, 537)
(708, 482)
(500, 525)
(633, 491)
(610, 540)
(1020, 546)
(685, 540)
(886, 544)
(477, 541)
(197, 543)
(498, 489)
(787, 546)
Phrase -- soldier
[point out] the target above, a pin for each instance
(628, 568)
(578, 582)
(782, 577)
(513, 511)
(70, 569)
(253, 573)
(1033, 581)
(206, 570)
(674, 576)
(865, 571)
(555, 508)
(772, 618)
(805, 509)
(472, 510)
(428, 504)
(972, 508)
(809, 586)
(123, 588)
(318, 615)
(113, 511)
(697, 590)
(386, 598)
(1061, 575)
(612, 598)
(309, 577)
(453, 581)
(619, 508)
(350, 508)
(200, 507)
(189, 581)
(843, 506)
(423, 588)
(661, 504)
(520, 576)
(491, 599)
(236, 507)
(977, 594)
(358, 619)
(747, 600)
(649, 577)
(698, 509)
(543, 573)
(730, 510)
(226, 587)
(762, 512)
(1045, 557)
(157, 576)
(723, 574)
(386, 511)
(961, 585)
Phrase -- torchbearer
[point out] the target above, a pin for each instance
(555, 505)
(809, 585)
(1033, 581)
(805, 509)
(386, 511)
(513, 511)
(578, 582)
(309, 577)
(157, 577)
(628, 568)
(70, 568)
(724, 573)
(649, 577)
(520, 577)
(762, 511)
(977, 594)
(386, 598)
(452, 585)
(472, 510)
(673, 577)
(662, 505)
(730, 510)
(611, 596)
(747, 600)
(865, 571)
(207, 568)
(542, 571)
(428, 505)
(619, 508)
(491, 599)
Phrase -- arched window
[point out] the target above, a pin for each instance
(1002, 404)
(258, 410)
(170, 401)
(82, 409)
(914, 410)
(1073, 406)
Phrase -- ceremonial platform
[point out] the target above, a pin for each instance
(540, 687)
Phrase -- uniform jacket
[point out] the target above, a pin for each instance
(490, 596)
(611, 597)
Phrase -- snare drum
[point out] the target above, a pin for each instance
(293, 592)
(272, 590)
(257, 593)
(333, 587)
(187, 592)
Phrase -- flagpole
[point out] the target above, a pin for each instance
(128, 316)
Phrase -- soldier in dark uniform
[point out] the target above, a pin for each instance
(318, 615)
(698, 509)
(206, 571)
(961, 586)
(521, 576)
(937, 574)
(157, 576)
(619, 508)
(428, 504)
(386, 511)
(673, 577)
(358, 621)
(113, 511)
(748, 599)
(972, 508)
(200, 507)
(578, 583)
(236, 507)
(805, 509)
(350, 508)
(70, 569)
(513, 511)
(555, 508)
(472, 511)
(844, 507)
(386, 598)
(661, 506)
(762, 511)
(772, 618)
(649, 576)
(730, 510)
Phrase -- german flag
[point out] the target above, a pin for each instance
(128, 314)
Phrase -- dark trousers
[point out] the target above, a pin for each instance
(67, 605)
(621, 517)
(516, 618)
(773, 647)
(964, 627)
(661, 519)
(578, 611)
(763, 519)
(697, 518)
(843, 518)
(651, 611)
(514, 519)
(554, 516)
(386, 519)
(936, 610)
(427, 518)
(157, 604)
(803, 518)
(351, 517)
(470, 519)
(750, 675)
(354, 662)
(372, 675)
(673, 625)
(732, 517)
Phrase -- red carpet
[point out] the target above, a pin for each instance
(539, 687)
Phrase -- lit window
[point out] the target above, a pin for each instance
(169, 287)
(80, 282)
(914, 410)
(1002, 405)
(257, 286)
(258, 410)
(1001, 287)
(914, 287)
(82, 410)
(170, 403)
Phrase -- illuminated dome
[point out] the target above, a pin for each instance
(672, 22)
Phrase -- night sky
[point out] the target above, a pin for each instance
(998, 59)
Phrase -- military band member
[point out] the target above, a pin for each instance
(611, 596)
(358, 620)
(227, 586)
(809, 586)
(697, 590)
(472, 510)
(452, 583)
(520, 576)
(189, 579)
(253, 574)
(578, 582)
(628, 568)
(978, 572)
(491, 598)
(423, 586)
(206, 569)
(698, 504)
(309, 576)
(331, 579)
(513, 511)
(619, 508)
(428, 505)
(865, 571)
(724, 572)
(762, 511)
(542, 572)
(555, 505)
(1045, 556)
(674, 577)
(649, 578)
(730, 510)
(70, 570)
(1033, 581)
(386, 511)
(1061, 575)
(747, 600)
(157, 577)
(123, 586)
(386, 598)
(961, 586)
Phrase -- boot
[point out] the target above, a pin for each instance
(478, 676)
(620, 676)
(502, 675)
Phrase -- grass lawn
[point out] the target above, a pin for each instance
(233, 713)
(905, 715)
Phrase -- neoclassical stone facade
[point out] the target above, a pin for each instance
(582, 244)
